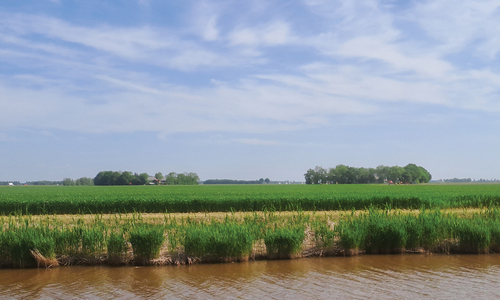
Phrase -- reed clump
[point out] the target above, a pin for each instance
(117, 247)
(324, 236)
(146, 240)
(216, 242)
(390, 231)
(351, 233)
(384, 234)
(474, 235)
(284, 242)
(81, 243)
(27, 247)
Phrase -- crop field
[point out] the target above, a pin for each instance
(143, 225)
(226, 198)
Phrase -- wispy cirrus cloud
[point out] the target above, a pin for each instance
(277, 33)
(455, 25)
(144, 44)
(362, 57)
(314, 74)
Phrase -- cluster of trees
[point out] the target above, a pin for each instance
(117, 178)
(342, 174)
(457, 180)
(181, 179)
(43, 182)
(487, 180)
(467, 180)
(230, 181)
(79, 181)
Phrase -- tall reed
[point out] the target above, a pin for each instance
(146, 240)
(116, 247)
(17, 248)
(284, 242)
(351, 232)
(218, 241)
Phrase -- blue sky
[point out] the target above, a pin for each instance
(248, 89)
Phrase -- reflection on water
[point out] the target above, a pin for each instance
(376, 276)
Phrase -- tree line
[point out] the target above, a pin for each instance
(7, 182)
(43, 182)
(178, 179)
(231, 181)
(79, 181)
(458, 180)
(129, 178)
(123, 178)
(342, 174)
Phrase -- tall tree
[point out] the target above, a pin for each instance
(171, 178)
(68, 182)
(158, 177)
(342, 173)
(309, 176)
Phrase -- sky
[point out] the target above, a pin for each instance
(248, 89)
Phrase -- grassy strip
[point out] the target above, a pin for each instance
(26, 241)
(384, 232)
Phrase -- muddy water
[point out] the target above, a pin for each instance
(377, 276)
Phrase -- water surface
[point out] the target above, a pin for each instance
(370, 276)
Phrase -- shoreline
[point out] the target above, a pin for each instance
(166, 258)
(184, 260)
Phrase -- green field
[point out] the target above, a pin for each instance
(227, 198)
(271, 222)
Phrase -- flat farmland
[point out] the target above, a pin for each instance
(242, 198)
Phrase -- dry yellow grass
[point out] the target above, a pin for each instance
(42, 261)
(157, 218)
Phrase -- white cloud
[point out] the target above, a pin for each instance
(458, 24)
(203, 19)
(135, 44)
(359, 63)
(274, 34)
(210, 32)
(126, 42)
(347, 19)
(374, 48)
(248, 107)
(9, 39)
(345, 88)
(190, 59)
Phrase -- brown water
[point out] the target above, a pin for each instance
(377, 276)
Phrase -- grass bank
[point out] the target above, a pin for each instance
(48, 241)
